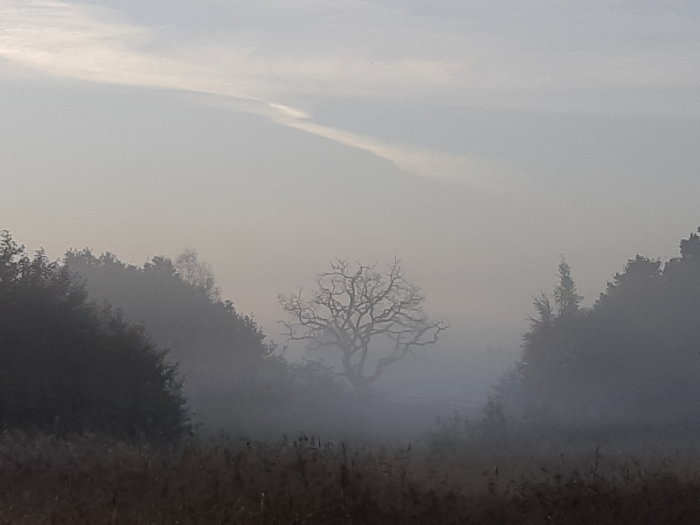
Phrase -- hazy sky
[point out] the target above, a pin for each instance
(476, 140)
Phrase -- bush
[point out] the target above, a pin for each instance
(67, 366)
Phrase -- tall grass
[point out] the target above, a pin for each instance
(304, 480)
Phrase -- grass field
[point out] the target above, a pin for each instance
(86, 480)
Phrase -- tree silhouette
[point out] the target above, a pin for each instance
(197, 273)
(229, 368)
(68, 366)
(633, 358)
(566, 298)
(374, 320)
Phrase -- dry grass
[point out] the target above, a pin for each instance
(86, 480)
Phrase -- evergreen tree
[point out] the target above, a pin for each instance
(566, 299)
(633, 358)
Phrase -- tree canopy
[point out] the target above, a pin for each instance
(67, 365)
(229, 369)
(633, 357)
(179, 304)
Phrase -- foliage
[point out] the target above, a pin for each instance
(566, 297)
(178, 303)
(197, 273)
(358, 310)
(229, 368)
(633, 358)
(233, 379)
(69, 366)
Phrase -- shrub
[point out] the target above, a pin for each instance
(67, 366)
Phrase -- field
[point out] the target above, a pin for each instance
(87, 480)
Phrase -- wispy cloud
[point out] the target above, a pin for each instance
(572, 59)
(484, 173)
(95, 45)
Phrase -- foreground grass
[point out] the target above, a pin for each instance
(47, 480)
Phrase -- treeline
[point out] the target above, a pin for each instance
(631, 360)
(229, 370)
(70, 366)
(93, 344)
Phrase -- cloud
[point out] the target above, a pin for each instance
(97, 44)
(465, 53)
(440, 166)
(94, 44)
(543, 54)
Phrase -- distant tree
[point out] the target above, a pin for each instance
(372, 320)
(197, 273)
(68, 366)
(230, 371)
(176, 303)
(546, 350)
(690, 247)
(566, 297)
(545, 312)
(633, 358)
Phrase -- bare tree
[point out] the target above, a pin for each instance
(197, 273)
(372, 319)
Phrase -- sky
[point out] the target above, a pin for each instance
(478, 141)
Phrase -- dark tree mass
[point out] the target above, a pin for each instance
(228, 368)
(68, 366)
(632, 359)
(232, 377)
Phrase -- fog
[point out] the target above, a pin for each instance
(361, 358)
(465, 225)
(230, 366)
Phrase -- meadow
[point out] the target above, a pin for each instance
(46, 479)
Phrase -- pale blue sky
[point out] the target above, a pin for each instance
(476, 140)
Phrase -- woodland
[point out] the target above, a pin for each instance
(138, 394)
